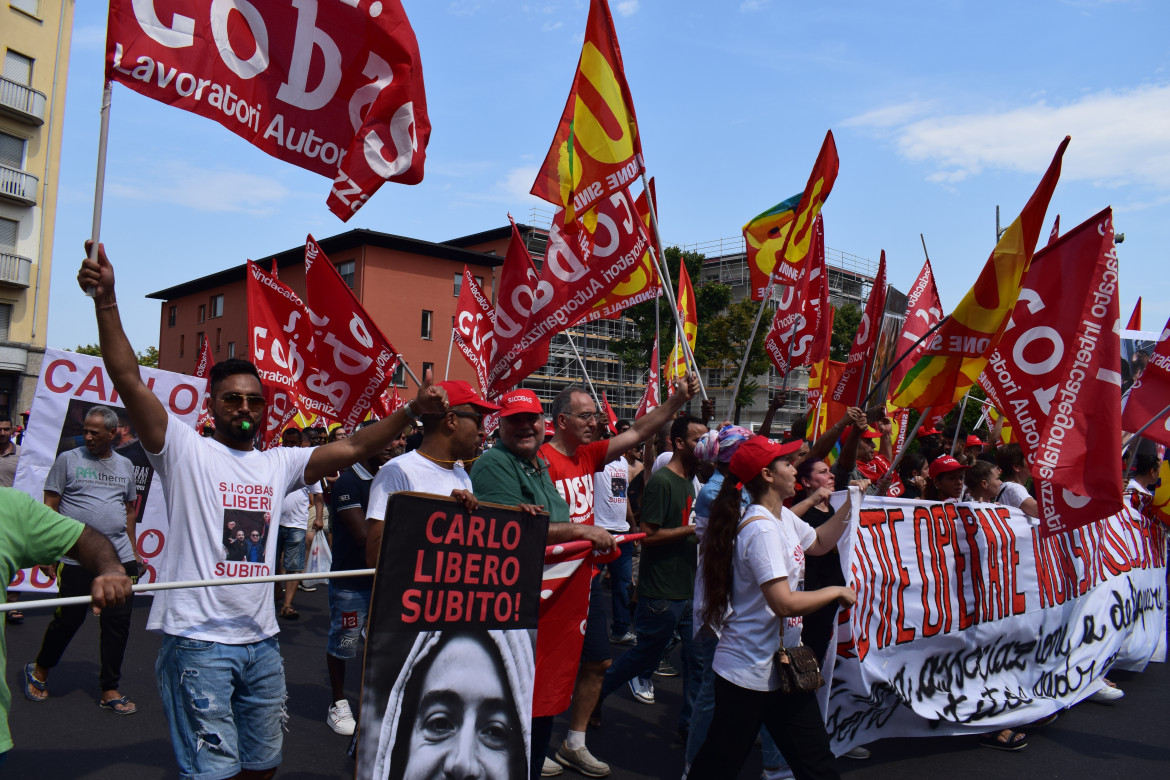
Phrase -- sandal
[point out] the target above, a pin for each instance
(14, 616)
(1008, 739)
(31, 683)
(120, 706)
(288, 613)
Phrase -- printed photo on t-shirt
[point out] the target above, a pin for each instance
(125, 444)
(618, 487)
(245, 535)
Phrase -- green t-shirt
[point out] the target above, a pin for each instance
(668, 571)
(30, 534)
(500, 477)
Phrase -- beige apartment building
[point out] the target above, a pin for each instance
(34, 40)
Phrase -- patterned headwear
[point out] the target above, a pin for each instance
(721, 445)
(707, 448)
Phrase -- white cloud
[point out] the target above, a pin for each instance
(1118, 137)
(627, 7)
(196, 188)
(749, 6)
(550, 26)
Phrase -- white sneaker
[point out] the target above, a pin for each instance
(340, 718)
(581, 760)
(1109, 692)
(551, 768)
(643, 690)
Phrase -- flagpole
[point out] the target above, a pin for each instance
(406, 367)
(959, 422)
(1133, 440)
(99, 187)
(903, 356)
(584, 372)
(660, 263)
(450, 346)
(751, 339)
(906, 446)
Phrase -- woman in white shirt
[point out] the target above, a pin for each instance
(754, 576)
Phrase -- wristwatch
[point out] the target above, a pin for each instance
(409, 409)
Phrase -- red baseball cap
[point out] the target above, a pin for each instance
(520, 402)
(460, 393)
(944, 464)
(973, 441)
(930, 431)
(755, 453)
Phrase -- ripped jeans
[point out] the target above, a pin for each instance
(224, 705)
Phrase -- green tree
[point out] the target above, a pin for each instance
(845, 325)
(728, 341)
(711, 299)
(89, 349)
(147, 357)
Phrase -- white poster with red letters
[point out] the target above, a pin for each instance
(967, 620)
(69, 386)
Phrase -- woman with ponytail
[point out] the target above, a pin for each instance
(753, 572)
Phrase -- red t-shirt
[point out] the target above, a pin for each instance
(573, 476)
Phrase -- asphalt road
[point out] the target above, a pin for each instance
(69, 737)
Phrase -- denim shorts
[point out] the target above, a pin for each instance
(347, 617)
(596, 646)
(291, 543)
(224, 705)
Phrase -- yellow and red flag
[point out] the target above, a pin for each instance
(596, 150)
(642, 283)
(778, 240)
(956, 354)
(1160, 503)
(688, 312)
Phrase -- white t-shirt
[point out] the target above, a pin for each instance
(1012, 494)
(413, 472)
(610, 486)
(765, 550)
(212, 492)
(295, 512)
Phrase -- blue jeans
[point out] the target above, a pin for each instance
(704, 707)
(224, 705)
(348, 610)
(290, 543)
(621, 573)
(657, 620)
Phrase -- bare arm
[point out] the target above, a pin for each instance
(786, 602)
(816, 497)
(648, 424)
(130, 517)
(559, 533)
(53, 501)
(829, 532)
(374, 529)
(1030, 507)
(147, 413)
(354, 520)
(656, 535)
(824, 445)
(96, 555)
(319, 510)
(773, 406)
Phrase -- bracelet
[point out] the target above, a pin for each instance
(113, 305)
(408, 407)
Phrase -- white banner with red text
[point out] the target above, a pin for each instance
(968, 621)
(69, 386)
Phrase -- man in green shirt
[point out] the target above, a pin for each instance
(32, 534)
(666, 579)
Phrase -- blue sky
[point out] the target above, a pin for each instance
(940, 110)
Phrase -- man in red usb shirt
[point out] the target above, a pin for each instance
(574, 455)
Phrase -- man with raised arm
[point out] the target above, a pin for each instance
(220, 673)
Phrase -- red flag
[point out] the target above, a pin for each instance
(355, 362)
(1135, 319)
(389, 402)
(797, 321)
(336, 90)
(512, 359)
(856, 375)
(642, 284)
(610, 416)
(1055, 234)
(923, 312)
(596, 150)
(776, 244)
(1054, 374)
(203, 371)
(650, 399)
(1150, 394)
(475, 324)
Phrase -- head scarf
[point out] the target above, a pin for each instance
(730, 437)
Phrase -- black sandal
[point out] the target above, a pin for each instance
(1007, 739)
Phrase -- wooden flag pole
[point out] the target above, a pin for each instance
(660, 263)
(99, 187)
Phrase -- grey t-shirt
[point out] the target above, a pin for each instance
(95, 491)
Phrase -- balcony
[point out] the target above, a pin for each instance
(18, 186)
(14, 269)
(22, 102)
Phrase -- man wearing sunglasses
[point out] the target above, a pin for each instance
(449, 445)
(220, 673)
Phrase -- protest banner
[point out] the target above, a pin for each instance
(337, 90)
(454, 610)
(968, 619)
(69, 386)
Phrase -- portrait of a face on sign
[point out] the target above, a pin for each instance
(450, 648)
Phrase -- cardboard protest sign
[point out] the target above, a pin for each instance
(69, 386)
(968, 619)
(452, 630)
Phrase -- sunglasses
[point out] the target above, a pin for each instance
(586, 416)
(470, 416)
(235, 400)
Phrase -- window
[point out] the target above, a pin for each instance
(217, 306)
(11, 151)
(345, 268)
(399, 379)
(199, 341)
(202, 312)
(217, 334)
(9, 228)
(18, 68)
(428, 367)
(30, 7)
(459, 283)
(231, 349)
(172, 316)
(5, 318)
(427, 320)
(182, 341)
